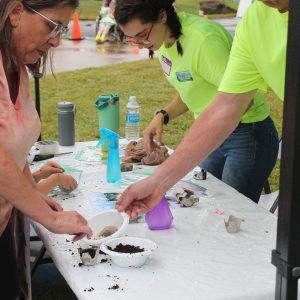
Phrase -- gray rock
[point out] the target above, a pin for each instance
(126, 167)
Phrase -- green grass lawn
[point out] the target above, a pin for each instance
(143, 79)
(89, 9)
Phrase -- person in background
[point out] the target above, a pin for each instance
(106, 22)
(257, 61)
(193, 53)
(51, 175)
(28, 30)
(104, 8)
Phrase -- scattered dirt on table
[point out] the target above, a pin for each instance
(114, 287)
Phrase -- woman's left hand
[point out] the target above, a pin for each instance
(66, 181)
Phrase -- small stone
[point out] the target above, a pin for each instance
(126, 167)
(233, 224)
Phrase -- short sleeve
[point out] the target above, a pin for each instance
(213, 58)
(241, 73)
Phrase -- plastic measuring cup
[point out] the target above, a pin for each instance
(160, 217)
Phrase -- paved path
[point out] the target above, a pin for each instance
(74, 55)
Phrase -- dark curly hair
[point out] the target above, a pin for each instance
(147, 11)
(6, 48)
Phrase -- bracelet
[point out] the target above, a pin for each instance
(165, 114)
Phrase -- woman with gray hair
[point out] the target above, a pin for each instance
(28, 30)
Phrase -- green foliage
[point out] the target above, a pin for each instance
(143, 79)
(89, 9)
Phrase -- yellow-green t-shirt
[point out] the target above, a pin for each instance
(197, 73)
(258, 54)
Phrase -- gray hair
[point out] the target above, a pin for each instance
(6, 6)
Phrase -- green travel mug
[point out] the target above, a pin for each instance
(109, 114)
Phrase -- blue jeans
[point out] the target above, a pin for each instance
(246, 158)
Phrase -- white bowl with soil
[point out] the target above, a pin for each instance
(106, 225)
(129, 251)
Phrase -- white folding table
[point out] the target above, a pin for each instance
(196, 259)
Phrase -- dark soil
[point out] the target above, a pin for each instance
(126, 249)
(101, 252)
(114, 287)
(90, 251)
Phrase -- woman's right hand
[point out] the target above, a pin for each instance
(140, 197)
(47, 170)
(153, 130)
(70, 222)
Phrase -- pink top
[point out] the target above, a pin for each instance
(19, 128)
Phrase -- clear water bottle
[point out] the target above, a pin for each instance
(132, 129)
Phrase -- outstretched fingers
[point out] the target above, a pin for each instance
(124, 201)
(84, 231)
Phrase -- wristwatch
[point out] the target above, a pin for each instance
(165, 114)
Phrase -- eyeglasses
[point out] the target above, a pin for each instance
(57, 30)
(140, 40)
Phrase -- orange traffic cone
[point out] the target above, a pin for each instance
(76, 33)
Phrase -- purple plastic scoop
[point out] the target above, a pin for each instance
(160, 217)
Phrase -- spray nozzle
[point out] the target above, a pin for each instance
(113, 172)
(106, 134)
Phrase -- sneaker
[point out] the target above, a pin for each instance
(102, 37)
(98, 38)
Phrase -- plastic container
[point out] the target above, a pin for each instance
(103, 219)
(66, 128)
(132, 129)
(109, 114)
(47, 147)
(160, 217)
(129, 259)
(113, 170)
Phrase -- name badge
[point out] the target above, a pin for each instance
(166, 65)
(184, 76)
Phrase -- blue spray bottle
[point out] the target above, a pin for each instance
(113, 171)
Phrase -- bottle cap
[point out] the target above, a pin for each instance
(65, 105)
(105, 100)
(132, 99)
(132, 102)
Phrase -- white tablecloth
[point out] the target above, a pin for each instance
(195, 259)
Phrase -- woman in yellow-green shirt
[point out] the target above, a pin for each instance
(193, 53)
